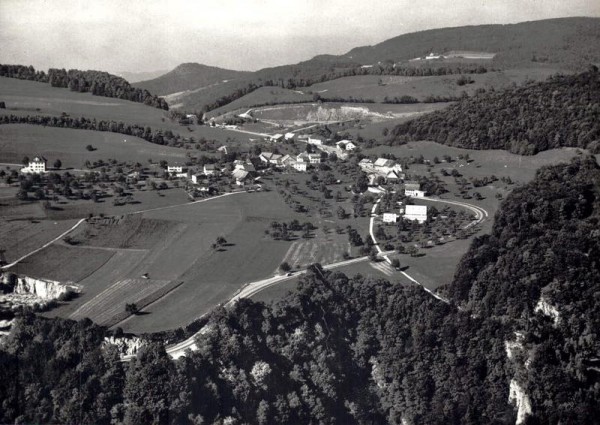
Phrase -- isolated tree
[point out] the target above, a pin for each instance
(22, 195)
(396, 263)
(373, 254)
(90, 148)
(25, 160)
(285, 267)
(131, 308)
(221, 241)
(362, 182)
(57, 164)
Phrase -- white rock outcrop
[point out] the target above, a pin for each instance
(126, 346)
(520, 399)
(547, 309)
(42, 288)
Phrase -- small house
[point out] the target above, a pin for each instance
(315, 140)
(175, 169)
(413, 189)
(197, 178)
(299, 166)
(276, 137)
(210, 170)
(314, 158)
(241, 177)
(289, 136)
(390, 217)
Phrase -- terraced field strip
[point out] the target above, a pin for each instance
(110, 302)
(302, 253)
(144, 302)
(383, 267)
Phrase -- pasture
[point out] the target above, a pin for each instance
(175, 245)
(32, 98)
(262, 96)
(19, 237)
(144, 200)
(378, 87)
(63, 263)
(69, 145)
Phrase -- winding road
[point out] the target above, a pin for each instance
(480, 215)
(179, 349)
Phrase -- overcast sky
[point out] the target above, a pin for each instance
(147, 35)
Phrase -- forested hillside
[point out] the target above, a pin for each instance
(545, 250)
(96, 82)
(359, 351)
(571, 43)
(563, 111)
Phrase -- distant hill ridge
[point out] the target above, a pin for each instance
(569, 44)
(189, 76)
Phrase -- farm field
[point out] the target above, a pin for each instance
(63, 263)
(262, 96)
(69, 145)
(177, 247)
(368, 87)
(130, 231)
(19, 237)
(13, 209)
(32, 98)
(146, 199)
(215, 276)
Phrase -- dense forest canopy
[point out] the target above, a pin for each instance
(545, 245)
(562, 111)
(354, 350)
(96, 82)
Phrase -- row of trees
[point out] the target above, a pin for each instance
(159, 137)
(563, 111)
(96, 82)
(347, 71)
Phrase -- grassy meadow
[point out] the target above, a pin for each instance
(377, 87)
(69, 145)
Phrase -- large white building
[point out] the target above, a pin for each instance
(416, 212)
(36, 166)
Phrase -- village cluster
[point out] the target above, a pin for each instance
(246, 172)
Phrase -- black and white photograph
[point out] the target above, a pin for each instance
(304, 212)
